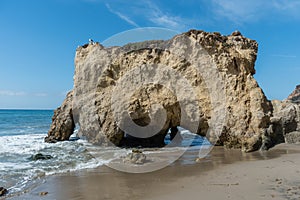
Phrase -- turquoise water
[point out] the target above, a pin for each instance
(20, 122)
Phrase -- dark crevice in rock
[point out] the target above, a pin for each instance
(155, 141)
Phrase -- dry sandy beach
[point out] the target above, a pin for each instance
(224, 174)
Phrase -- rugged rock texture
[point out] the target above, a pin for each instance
(286, 121)
(63, 125)
(200, 81)
(295, 95)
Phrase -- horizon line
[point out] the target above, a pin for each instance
(27, 108)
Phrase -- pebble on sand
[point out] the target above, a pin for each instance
(43, 193)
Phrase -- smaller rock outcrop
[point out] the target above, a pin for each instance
(295, 95)
(63, 124)
(285, 121)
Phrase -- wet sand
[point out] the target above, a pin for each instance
(224, 174)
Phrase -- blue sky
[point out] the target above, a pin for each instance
(38, 39)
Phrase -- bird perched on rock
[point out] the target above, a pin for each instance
(91, 41)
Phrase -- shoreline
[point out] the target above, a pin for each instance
(224, 174)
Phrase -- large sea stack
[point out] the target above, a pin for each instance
(202, 81)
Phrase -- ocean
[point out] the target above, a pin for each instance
(22, 134)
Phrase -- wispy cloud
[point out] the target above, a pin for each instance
(11, 93)
(155, 13)
(238, 11)
(21, 93)
(146, 11)
(161, 18)
(245, 11)
(286, 5)
(122, 16)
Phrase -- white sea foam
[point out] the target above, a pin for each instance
(17, 170)
(21, 144)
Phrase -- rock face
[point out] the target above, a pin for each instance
(286, 121)
(295, 95)
(63, 125)
(135, 94)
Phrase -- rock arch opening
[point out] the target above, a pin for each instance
(179, 136)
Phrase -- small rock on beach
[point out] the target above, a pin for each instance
(3, 191)
(43, 193)
(135, 157)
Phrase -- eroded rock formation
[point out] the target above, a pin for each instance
(133, 95)
(63, 125)
(286, 118)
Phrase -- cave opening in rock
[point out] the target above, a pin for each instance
(175, 137)
(75, 135)
(179, 136)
